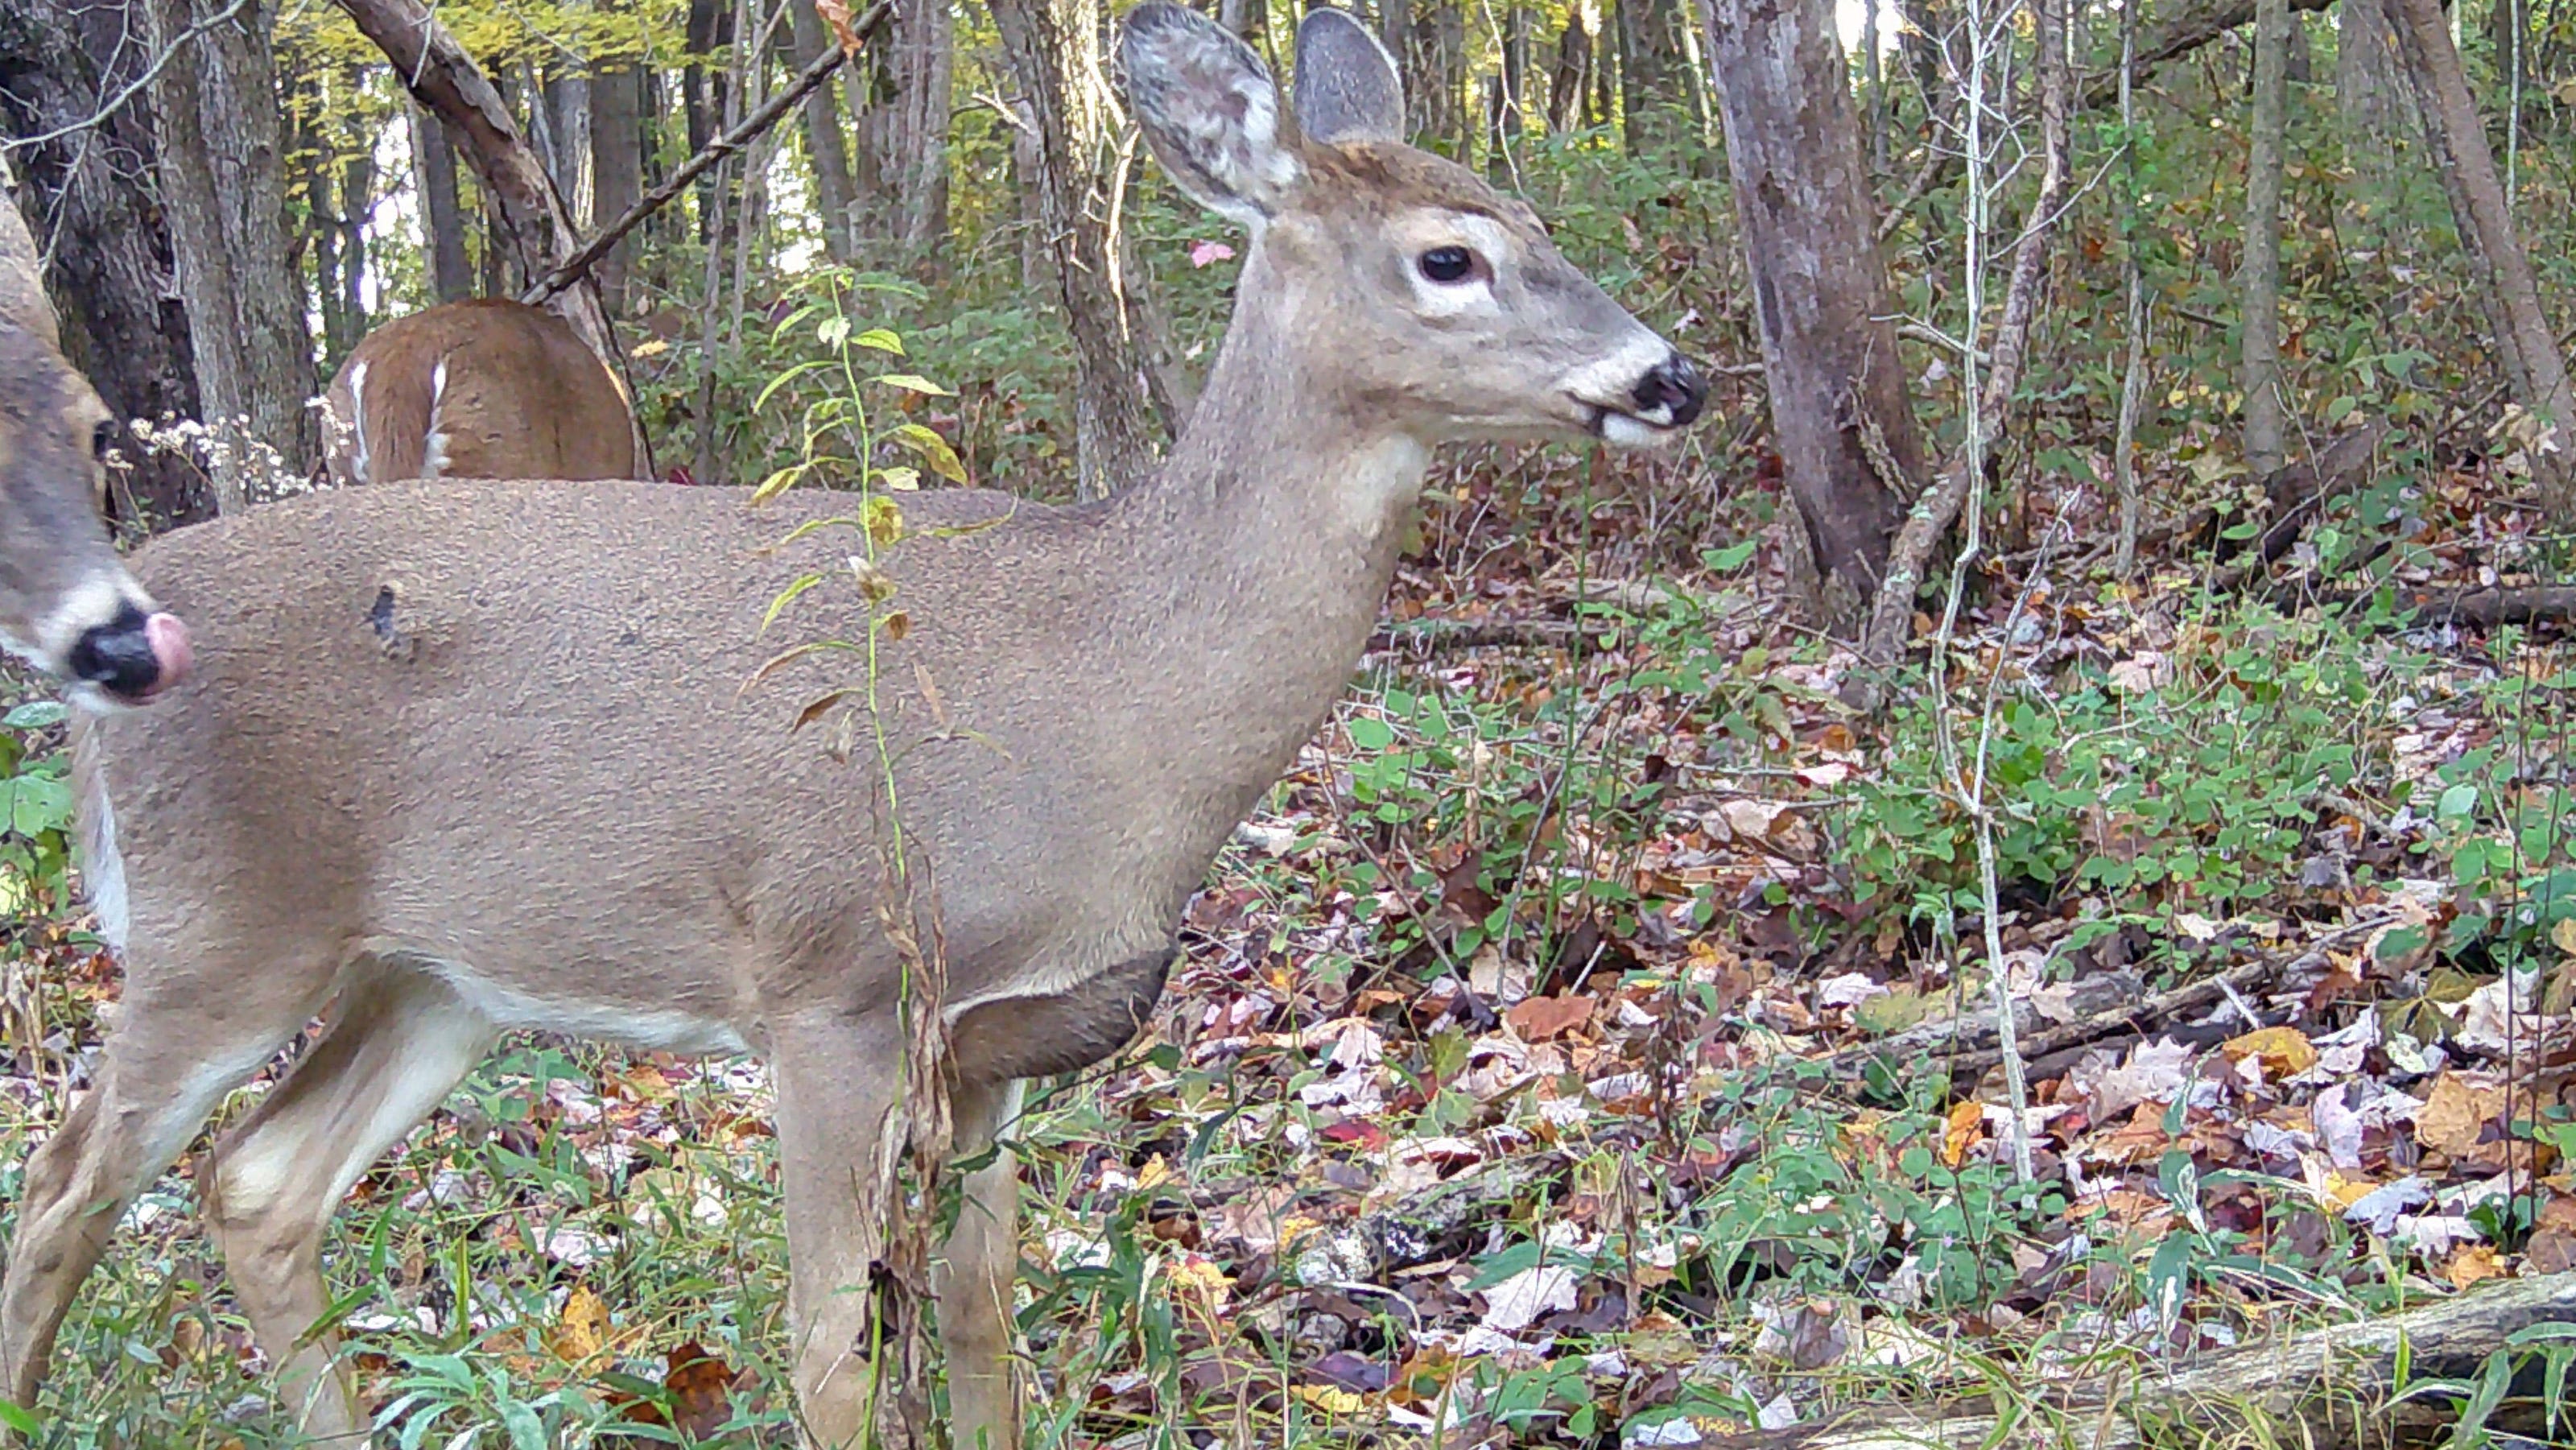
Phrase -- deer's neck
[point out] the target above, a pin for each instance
(1268, 538)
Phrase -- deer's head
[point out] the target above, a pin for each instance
(67, 604)
(1442, 306)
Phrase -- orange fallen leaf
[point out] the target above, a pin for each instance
(2285, 1051)
(2474, 1265)
(1967, 1128)
(2454, 1114)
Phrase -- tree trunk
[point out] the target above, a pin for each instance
(567, 111)
(825, 147)
(2370, 95)
(1654, 90)
(518, 199)
(1503, 122)
(1241, 17)
(2535, 370)
(616, 170)
(2259, 282)
(227, 210)
(1436, 78)
(1054, 51)
(915, 134)
(122, 324)
(1573, 72)
(1820, 286)
(451, 275)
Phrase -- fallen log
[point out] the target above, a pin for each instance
(2335, 1382)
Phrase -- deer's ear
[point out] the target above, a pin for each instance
(1208, 109)
(1348, 88)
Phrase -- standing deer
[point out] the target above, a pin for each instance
(67, 604)
(487, 388)
(557, 805)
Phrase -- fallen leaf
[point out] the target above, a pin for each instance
(1511, 1305)
(2285, 1051)
(2474, 1265)
(580, 1331)
(1966, 1130)
(1543, 1019)
(2454, 1114)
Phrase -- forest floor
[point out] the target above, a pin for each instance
(1557, 1054)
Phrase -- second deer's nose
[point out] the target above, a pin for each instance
(132, 656)
(1672, 387)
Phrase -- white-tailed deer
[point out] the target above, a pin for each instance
(487, 388)
(469, 757)
(67, 604)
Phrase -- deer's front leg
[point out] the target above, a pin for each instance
(837, 1079)
(973, 1277)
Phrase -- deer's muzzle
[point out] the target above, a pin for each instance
(133, 656)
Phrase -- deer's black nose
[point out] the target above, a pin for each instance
(1673, 388)
(132, 656)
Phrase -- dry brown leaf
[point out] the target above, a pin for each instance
(836, 14)
(1543, 1019)
(2454, 1114)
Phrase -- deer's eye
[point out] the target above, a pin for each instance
(1447, 264)
(101, 438)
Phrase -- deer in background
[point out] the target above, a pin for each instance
(559, 807)
(487, 388)
(67, 604)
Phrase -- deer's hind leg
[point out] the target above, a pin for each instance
(167, 1065)
(401, 1041)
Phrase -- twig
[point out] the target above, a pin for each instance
(573, 268)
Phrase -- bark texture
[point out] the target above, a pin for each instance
(826, 148)
(616, 169)
(2535, 370)
(2370, 96)
(1820, 285)
(89, 198)
(227, 210)
(2259, 281)
(914, 134)
(1054, 51)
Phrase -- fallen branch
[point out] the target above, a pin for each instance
(2487, 608)
(1456, 634)
(2299, 493)
(2333, 1381)
(577, 266)
(2105, 1006)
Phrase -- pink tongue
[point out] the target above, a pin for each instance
(169, 641)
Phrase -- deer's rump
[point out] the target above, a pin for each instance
(506, 726)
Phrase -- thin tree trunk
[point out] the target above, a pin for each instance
(1953, 491)
(616, 170)
(1820, 285)
(2259, 282)
(227, 210)
(451, 276)
(1054, 51)
(826, 149)
(1566, 82)
(1503, 106)
(2535, 370)
(1653, 87)
(107, 238)
(916, 126)
(567, 106)
(2370, 95)
(2133, 372)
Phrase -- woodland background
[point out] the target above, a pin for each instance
(2026, 854)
